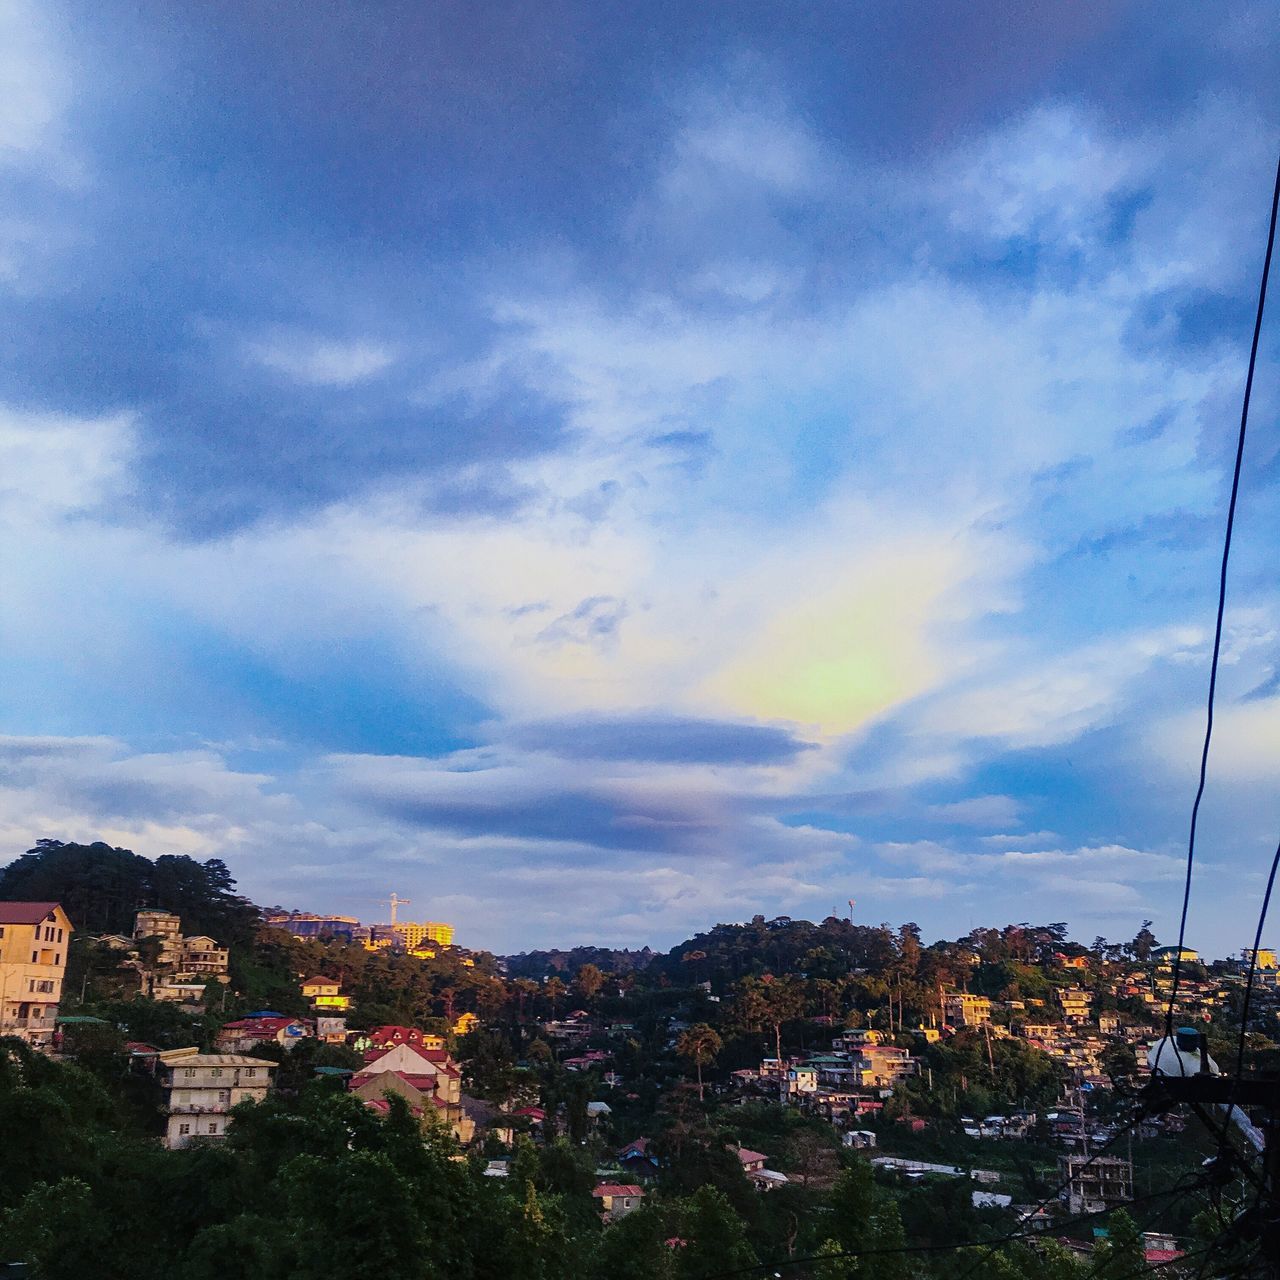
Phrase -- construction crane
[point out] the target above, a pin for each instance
(393, 902)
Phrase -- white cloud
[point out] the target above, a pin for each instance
(33, 87)
(320, 362)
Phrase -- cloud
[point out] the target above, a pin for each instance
(660, 738)
(672, 508)
(321, 362)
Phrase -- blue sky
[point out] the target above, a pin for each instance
(602, 469)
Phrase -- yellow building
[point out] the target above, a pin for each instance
(412, 934)
(34, 937)
(1266, 958)
(325, 994)
(964, 1009)
(464, 1023)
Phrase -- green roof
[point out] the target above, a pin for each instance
(81, 1019)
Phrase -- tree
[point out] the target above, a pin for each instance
(715, 1236)
(1121, 1254)
(554, 990)
(784, 1001)
(1143, 944)
(588, 982)
(700, 1044)
(853, 1207)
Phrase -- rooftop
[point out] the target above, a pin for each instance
(25, 912)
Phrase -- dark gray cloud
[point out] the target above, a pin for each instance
(603, 821)
(660, 739)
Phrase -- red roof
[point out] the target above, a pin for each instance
(618, 1189)
(389, 1035)
(534, 1113)
(248, 1025)
(751, 1157)
(1161, 1255)
(25, 912)
(322, 982)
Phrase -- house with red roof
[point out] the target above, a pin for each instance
(34, 937)
(389, 1036)
(429, 1078)
(617, 1199)
(244, 1033)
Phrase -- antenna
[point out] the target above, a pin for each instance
(851, 902)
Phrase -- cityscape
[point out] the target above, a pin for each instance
(639, 641)
(878, 1091)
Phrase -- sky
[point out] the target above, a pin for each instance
(602, 469)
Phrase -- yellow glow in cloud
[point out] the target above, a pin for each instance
(839, 658)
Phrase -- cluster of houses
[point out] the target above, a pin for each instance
(171, 966)
(200, 1089)
(637, 1162)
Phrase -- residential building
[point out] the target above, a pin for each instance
(201, 954)
(331, 1030)
(753, 1165)
(325, 994)
(164, 926)
(1266, 957)
(1076, 1003)
(429, 1078)
(963, 1009)
(1094, 1183)
(617, 1199)
(34, 937)
(201, 1088)
(638, 1159)
(389, 1036)
(262, 1028)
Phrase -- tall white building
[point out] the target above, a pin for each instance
(201, 1088)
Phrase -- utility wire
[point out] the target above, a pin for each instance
(1095, 1272)
(1064, 1185)
(1222, 603)
(1253, 966)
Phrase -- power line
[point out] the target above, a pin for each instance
(1222, 601)
(1253, 964)
(1064, 1185)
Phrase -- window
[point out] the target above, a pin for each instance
(35, 957)
(213, 1126)
(217, 1071)
(58, 958)
(1, 931)
(59, 935)
(183, 1130)
(189, 1072)
(250, 1071)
